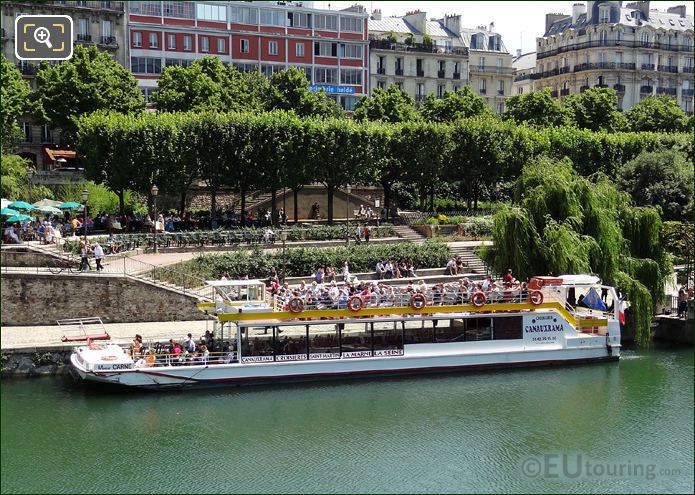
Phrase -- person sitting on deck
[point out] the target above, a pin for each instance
(136, 347)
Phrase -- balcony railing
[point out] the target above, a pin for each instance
(583, 88)
(92, 5)
(419, 98)
(646, 89)
(647, 66)
(381, 70)
(612, 43)
(416, 47)
(600, 85)
(668, 68)
(564, 70)
(523, 77)
(687, 70)
(666, 91)
(84, 38)
(687, 92)
(620, 88)
(108, 41)
(564, 92)
(625, 65)
(28, 69)
(491, 69)
(483, 91)
(441, 74)
(399, 72)
(420, 73)
(457, 75)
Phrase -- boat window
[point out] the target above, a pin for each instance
(290, 343)
(450, 331)
(388, 339)
(324, 342)
(478, 328)
(257, 344)
(356, 340)
(417, 331)
(508, 328)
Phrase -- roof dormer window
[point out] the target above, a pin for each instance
(604, 14)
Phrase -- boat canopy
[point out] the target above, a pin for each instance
(239, 290)
(580, 279)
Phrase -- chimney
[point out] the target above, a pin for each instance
(577, 10)
(417, 19)
(550, 19)
(376, 14)
(453, 23)
(518, 52)
(679, 9)
(492, 26)
(643, 7)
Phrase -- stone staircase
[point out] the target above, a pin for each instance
(475, 264)
(408, 234)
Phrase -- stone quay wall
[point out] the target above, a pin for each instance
(37, 361)
(43, 298)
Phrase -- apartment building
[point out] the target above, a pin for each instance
(636, 50)
(95, 23)
(524, 66)
(330, 46)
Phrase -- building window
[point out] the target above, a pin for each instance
(381, 84)
(145, 65)
(145, 8)
(207, 12)
(604, 14)
(137, 39)
(82, 27)
(171, 41)
(352, 24)
(204, 44)
(154, 40)
(494, 43)
(420, 89)
(399, 85)
(269, 70)
(244, 15)
(348, 50)
(500, 108)
(177, 62)
(106, 29)
(440, 90)
(299, 19)
(482, 86)
(272, 17)
(244, 46)
(184, 10)
(46, 134)
(500, 87)
(273, 47)
(187, 43)
(324, 49)
(481, 63)
(644, 37)
(221, 45)
(325, 76)
(326, 22)
(520, 90)
(299, 49)
(351, 76)
(348, 102)
(26, 132)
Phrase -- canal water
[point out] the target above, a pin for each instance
(614, 427)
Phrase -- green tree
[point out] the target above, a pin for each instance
(663, 179)
(596, 109)
(657, 114)
(289, 90)
(461, 103)
(91, 80)
(538, 109)
(14, 176)
(15, 99)
(392, 105)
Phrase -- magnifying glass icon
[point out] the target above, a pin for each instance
(43, 35)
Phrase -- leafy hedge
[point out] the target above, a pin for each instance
(333, 232)
(469, 226)
(303, 261)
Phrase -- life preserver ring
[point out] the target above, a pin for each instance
(478, 299)
(108, 358)
(355, 303)
(150, 359)
(418, 301)
(535, 297)
(296, 305)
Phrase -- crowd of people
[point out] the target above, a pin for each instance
(189, 351)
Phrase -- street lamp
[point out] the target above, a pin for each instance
(283, 238)
(85, 197)
(348, 188)
(155, 191)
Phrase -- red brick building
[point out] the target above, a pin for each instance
(330, 46)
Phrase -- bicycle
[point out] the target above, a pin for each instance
(65, 264)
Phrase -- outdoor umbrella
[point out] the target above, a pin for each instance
(4, 203)
(21, 205)
(47, 202)
(50, 209)
(8, 211)
(18, 218)
(70, 205)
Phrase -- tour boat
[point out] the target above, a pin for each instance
(261, 339)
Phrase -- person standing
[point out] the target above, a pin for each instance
(682, 302)
(367, 233)
(98, 255)
(84, 253)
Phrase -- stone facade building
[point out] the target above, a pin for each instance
(524, 70)
(637, 51)
(424, 56)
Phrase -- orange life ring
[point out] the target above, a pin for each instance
(355, 303)
(478, 299)
(535, 297)
(418, 301)
(150, 359)
(296, 305)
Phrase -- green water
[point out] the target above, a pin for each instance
(466, 432)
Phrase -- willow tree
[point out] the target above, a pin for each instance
(564, 223)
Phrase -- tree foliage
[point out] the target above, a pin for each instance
(391, 105)
(462, 103)
(14, 178)
(15, 98)
(90, 81)
(538, 109)
(596, 109)
(657, 114)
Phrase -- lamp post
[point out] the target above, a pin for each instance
(85, 197)
(283, 238)
(348, 188)
(155, 191)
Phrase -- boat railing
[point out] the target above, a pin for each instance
(152, 360)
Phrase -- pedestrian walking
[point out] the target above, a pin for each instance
(84, 254)
(98, 255)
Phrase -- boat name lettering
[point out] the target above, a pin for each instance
(291, 357)
(123, 366)
(389, 352)
(324, 355)
(544, 317)
(256, 359)
(543, 328)
(357, 354)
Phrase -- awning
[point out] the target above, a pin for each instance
(53, 155)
